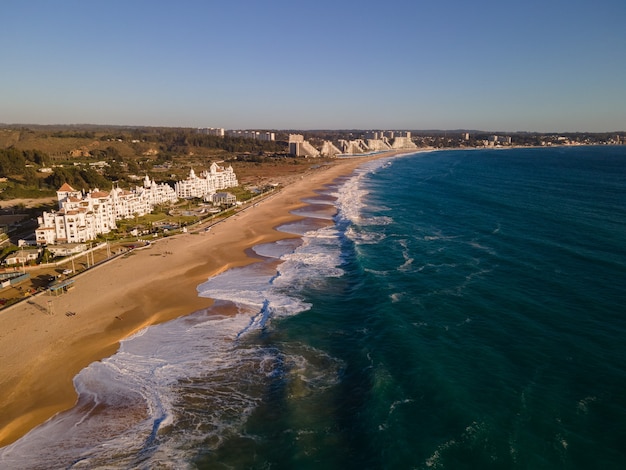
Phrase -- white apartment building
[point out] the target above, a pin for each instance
(82, 217)
(218, 132)
(257, 135)
(207, 184)
(499, 139)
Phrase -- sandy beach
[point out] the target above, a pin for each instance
(40, 353)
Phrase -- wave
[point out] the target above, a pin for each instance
(351, 194)
(360, 236)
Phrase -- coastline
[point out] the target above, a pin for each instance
(42, 353)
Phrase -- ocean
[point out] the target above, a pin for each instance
(456, 309)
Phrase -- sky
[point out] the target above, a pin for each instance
(505, 65)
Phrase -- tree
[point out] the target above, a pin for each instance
(58, 177)
(132, 167)
(30, 177)
(12, 162)
(115, 171)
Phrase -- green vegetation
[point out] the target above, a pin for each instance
(7, 250)
(74, 135)
(15, 162)
(23, 192)
(241, 193)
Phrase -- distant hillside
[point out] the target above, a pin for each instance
(80, 142)
(61, 146)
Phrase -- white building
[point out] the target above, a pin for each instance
(218, 132)
(499, 139)
(82, 217)
(257, 135)
(208, 183)
(300, 147)
(223, 198)
(23, 256)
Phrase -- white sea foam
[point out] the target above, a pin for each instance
(408, 259)
(437, 236)
(350, 195)
(481, 247)
(360, 236)
(319, 257)
(379, 220)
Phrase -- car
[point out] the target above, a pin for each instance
(67, 271)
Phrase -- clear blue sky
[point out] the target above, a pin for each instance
(506, 65)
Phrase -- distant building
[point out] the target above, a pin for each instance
(403, 140)
(300, 147)
(295, 140)
(378, 144)
(208, 183)
(499, 139)
(380, 135)
(256, 135)
(329, 149)
(353, 147)
(218, 132)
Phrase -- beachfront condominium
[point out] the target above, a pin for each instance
(207, 184)
(84, 216)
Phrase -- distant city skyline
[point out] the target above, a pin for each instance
(492, 66)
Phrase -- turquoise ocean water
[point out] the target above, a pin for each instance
(444, 310)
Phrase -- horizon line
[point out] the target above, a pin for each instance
(343, 129)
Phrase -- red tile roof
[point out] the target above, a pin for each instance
(66, 187)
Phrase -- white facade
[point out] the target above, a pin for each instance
(499, 139)
(82, 217)
(300, 147)
(23, 256)
(207, 183)
(257, 135)
(223, 198)
(218, 132)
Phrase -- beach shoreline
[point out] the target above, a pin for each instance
(42, 352)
